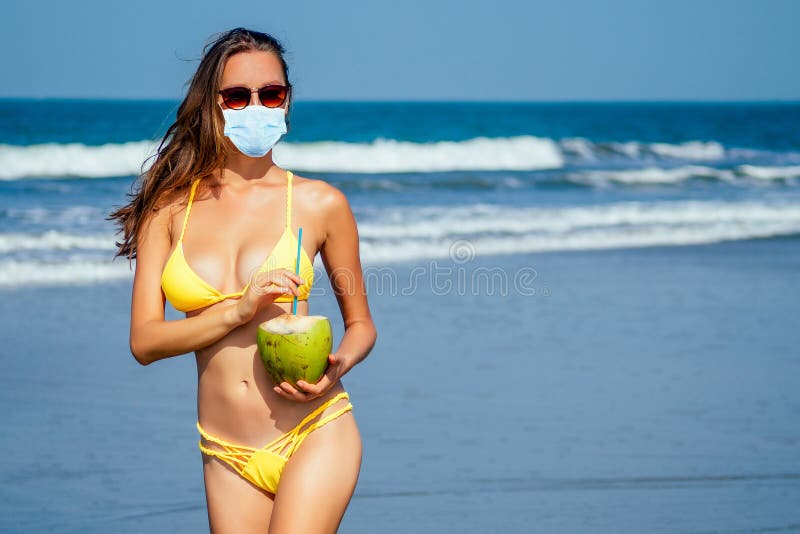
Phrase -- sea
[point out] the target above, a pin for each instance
(507, 177)
(647, 380)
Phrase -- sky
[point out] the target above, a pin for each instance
(503, 50)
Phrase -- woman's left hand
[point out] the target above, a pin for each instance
(305, 391)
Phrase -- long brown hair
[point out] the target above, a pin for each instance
(194, 145)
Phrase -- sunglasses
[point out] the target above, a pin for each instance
(271, 96)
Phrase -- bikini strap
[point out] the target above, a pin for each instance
(291, 439)
(289, 199)
(189, 207)
(301, 434)
(321, 408)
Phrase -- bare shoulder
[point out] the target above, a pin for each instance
(171, 204)
(323, 196)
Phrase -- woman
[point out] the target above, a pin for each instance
(210, 209)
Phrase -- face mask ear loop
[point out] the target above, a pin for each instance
(288, 103)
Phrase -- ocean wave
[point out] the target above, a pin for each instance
(596, 239)
(520, 153)
(399, 234)
(70, 216)
(769, 173)
(73, 160)
(636, 150)
(676, 175)
(74, 272)
(54, 240)
(426, 233)
(379, 156)
(691, 150)
(391, 156)
(480, 219)
(651, 175)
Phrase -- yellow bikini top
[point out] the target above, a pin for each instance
(186, 291)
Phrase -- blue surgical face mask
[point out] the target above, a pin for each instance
(254, 130)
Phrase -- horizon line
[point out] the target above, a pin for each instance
(430, 101)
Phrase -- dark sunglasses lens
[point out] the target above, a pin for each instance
(272, 96)
(236, 97)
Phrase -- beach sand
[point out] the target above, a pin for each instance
(638, 390)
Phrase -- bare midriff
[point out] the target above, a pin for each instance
(235, 396)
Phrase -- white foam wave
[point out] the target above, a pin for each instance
(521, 153)
(63, 217)
(651, 175)
(388, 155)
(690, 150)
(75, 272)
(419, 233)
(380, 156)
(658, 175)
(505, 230)
(73, 160)
(54, 240)
(483, 219)
(637, 150)
(769, 173)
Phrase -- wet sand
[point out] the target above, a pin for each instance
(635, 390)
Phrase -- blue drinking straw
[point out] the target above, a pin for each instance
(297, 266)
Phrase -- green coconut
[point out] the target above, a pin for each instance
(295, 347)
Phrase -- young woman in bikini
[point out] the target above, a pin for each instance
(213, 229)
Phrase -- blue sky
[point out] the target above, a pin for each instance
(417, 50)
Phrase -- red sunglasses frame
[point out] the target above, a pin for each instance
(225, 93)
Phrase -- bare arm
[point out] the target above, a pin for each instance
(151, 337)
(340, 254)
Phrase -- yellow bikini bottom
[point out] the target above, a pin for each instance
(263, 467)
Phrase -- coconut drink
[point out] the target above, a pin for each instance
(295, 347)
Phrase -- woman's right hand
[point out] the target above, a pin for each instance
(264, 288)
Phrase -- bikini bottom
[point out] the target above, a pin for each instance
(263, 466)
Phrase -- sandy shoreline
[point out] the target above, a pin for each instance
(644, 389)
